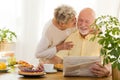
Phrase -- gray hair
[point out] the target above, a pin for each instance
(64, 13)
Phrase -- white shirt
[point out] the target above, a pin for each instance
(51, 37)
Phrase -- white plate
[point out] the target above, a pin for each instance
(53, 71)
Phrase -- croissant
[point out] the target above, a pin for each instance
(24, 63)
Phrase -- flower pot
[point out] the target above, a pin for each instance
(7, 47)
(115, 74)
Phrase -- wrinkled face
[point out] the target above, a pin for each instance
(71, 23)
(84, 22)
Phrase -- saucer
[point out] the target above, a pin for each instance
(31, 74)
(4, 70)
(51, 71)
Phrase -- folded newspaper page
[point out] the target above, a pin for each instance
(79, 66)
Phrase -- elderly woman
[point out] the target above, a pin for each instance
(55, 32)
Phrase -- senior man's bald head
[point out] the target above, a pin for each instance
(88, 13)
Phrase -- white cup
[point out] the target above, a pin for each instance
(48, 67)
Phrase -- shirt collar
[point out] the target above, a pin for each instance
(86, 37)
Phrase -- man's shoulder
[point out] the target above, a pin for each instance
(73, 35)
(76, 32)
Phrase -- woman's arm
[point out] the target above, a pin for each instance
(44, 49)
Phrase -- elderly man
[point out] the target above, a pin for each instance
(82, 46)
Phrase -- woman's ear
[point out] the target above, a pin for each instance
(62, 24)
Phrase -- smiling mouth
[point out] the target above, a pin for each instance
(83, 28)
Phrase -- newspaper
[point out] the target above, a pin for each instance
(79, 66)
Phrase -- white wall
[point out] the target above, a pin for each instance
(105, 7)
(8, 14)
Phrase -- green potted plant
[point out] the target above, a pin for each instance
(109, 39)
(7, 38)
